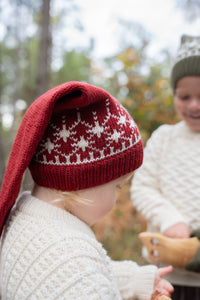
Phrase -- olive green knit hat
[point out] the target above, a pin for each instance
(187, 60)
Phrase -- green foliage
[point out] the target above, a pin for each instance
(126, 246)
(76, 66)
(147, 96)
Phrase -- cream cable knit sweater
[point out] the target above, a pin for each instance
(47, 253)
(166, 189)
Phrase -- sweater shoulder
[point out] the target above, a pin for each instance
(173, 132)
(50, 229)
(163, 130)
(47, 251)
(164, 133)
(45, 234)
(52, 254)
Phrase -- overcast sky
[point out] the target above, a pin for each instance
(164, 22)
(161, 19)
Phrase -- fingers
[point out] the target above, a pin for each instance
(179, 230)
(168, 287)
(163, 285)
(165, 270)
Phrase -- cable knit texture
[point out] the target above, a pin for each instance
(166, 189)
(47, 253)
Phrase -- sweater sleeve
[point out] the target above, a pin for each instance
(134, 280)
(75, 268)
(145, 192)
(79, 268)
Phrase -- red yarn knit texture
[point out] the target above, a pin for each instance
(62, 140)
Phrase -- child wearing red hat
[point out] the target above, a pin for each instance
(79, 144)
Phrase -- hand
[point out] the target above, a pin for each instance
(179, 230)
(162, 285)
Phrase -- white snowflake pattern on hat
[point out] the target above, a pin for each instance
(85, 139)
(189, 47)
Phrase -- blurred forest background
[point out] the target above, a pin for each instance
(33, 59)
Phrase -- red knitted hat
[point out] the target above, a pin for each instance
(75, 136)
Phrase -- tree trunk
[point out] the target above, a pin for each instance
(2, 151)
(44, 49)
(2, 157)
(42, 79)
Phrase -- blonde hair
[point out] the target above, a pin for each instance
(69, 198)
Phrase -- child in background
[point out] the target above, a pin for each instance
(166, 190)
(80, 145)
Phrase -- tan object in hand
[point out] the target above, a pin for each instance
(159, 296)
(164, 297)
(175, 252)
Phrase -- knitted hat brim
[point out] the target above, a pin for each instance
(189, 66)
(89, 175)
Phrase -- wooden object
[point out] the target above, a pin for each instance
(176, 252)
(159, 296)
(163, 297)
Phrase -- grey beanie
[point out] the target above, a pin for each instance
(187, 60)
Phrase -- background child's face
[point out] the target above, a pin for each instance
(187, 101)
